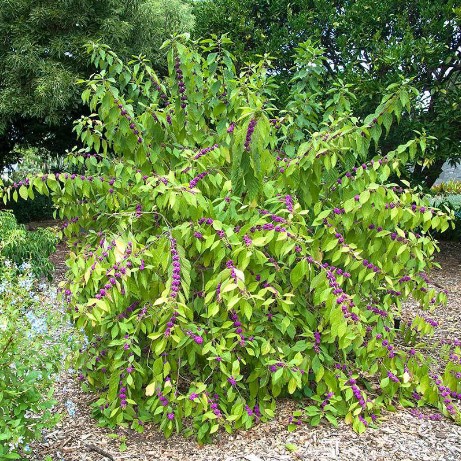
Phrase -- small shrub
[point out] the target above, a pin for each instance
(39, 209)
(19, 245)
(33, 161)
(451, 203)
(33, 347)
(235, 251)
(449, 187)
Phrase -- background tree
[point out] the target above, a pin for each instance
(367, 44)
(41, 59)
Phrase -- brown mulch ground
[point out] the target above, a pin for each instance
(400, 436)
(58, 258)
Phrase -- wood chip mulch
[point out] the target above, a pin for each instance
(400, 436)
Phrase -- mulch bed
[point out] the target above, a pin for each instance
(400, 435)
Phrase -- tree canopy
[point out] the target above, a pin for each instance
(368, 45)
(41, 59)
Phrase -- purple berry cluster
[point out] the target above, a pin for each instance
(181, 84)
(118, 271)
(209, 221)
(371, 266)
(390, 348)
(289, 203)
(163, 96)
(286, 162)
(271, 226)
(431, 417)
(357, 393)
(392, 377)
(276, 366)
(455, 358)
(16, 185)
(255, 411)
(199, 177)
(326, 400)
(163, 400)
(341, 241)
(445, 393)
(247, 240)
(95, 155)
(250, 130)
(122, 397)
(431, 322)
(129, 310)
(376, 310)
(176, 269)
(317, 341)
(128, 118)
(230, 265)
(237, 325)
(68, 296)
(171, 323)
(275, 218)
(365, 166)
(205, 151)
(214, 406)
(196, 338)
(341, 298)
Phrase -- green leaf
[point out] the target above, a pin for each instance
(113, 386)
(24, 192)
(291, 447)
(298, 273)
(292, 385)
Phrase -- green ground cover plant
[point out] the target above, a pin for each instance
(223, 255)
(33, 346)
(447, 188)
(21, 246)
(449, 199)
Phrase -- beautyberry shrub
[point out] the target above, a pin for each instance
(224, 252)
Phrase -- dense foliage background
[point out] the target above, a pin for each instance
(368, 45)
(41, 60)
(35, 337)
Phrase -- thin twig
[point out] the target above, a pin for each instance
(63, 444)
(10, 340)
(100, 451)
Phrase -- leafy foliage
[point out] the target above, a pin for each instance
(41, 59)
(451, 202)
(225, 254)
(33, 161)
(368, 46)
(447, 188)
(33, 343)
(20, 246)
